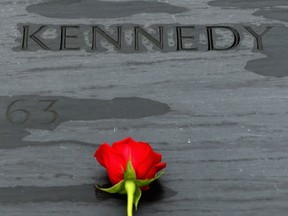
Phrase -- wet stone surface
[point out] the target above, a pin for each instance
(73, 9)
(218, 113)
(275, 63)
(38, 112)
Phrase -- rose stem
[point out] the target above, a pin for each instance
(130, 188)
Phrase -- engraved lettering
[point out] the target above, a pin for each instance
(10, 113)
(96, 29)
(180, 38)
(20, 115)
(55, 114)
(258, 37)
(64, 36)
(211, 42)
(128, 38)
(33, 36)
(138, 30)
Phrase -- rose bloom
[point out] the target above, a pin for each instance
(146, 162)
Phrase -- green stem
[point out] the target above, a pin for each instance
(130, 188)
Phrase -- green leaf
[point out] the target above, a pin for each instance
(130, 175)
(142, 183)
(117, 188)
(130, 172)
(137, 196)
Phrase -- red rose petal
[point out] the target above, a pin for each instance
(160, 166)
(132, 150)
(123, 148)
(147, 164)
(112, 161)
(145, 161)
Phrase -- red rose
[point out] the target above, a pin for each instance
(145, 161)
(131, 167)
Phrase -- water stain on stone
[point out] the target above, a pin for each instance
(75, 9)
(26, 194)
(248, 4)
(47, 112)
(276, 50)
(85, 193)
(275, 41)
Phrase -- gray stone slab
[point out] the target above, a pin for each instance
(275, 63)
(219, 118)
(74, 9)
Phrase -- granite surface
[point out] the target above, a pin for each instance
(219, 118)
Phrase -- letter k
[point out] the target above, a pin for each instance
(33, 36)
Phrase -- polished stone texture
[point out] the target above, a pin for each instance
(219, 118)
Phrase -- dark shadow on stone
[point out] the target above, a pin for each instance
(156, 193)
(276, 50)
(75, 9)
(245, 4)
(275, 9)
(26, 194)
(275, 41)
(47, 112)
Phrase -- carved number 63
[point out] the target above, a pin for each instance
(11, 111)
